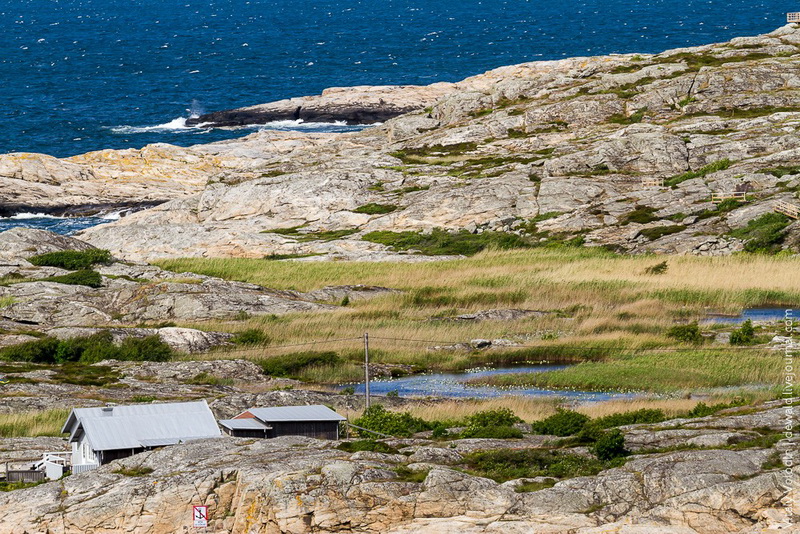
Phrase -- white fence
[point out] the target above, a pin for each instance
(82, 468)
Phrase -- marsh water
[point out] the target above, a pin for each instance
(456, 385)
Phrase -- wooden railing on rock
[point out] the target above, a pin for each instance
(788, 209)
(652, 182)
(738, 195)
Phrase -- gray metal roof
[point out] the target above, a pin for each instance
(244, 424)
(296, 413)
(143, 425)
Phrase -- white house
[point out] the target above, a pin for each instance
(100, 435)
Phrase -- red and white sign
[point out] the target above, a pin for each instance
(200, 516)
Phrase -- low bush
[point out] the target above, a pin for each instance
(72, 260)
(687, 333)
(381, 420)
(207, 379)
(290, 365)
(441, 242)
(640, 215)
(137, 471)
(610, 445)
(765, 234)
(86, 277)
(366, 445)
(492, 432)
(375, 209)
(508, 464)
(744, 335)
(720, 165)
(488, 418)
(89, 349)
(658, 232)
(563, 423)
(637, 417)
(251, 336)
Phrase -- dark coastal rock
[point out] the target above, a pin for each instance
(351, 105)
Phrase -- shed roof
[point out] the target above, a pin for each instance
(143, 425)
(244, 424)
(296, 413)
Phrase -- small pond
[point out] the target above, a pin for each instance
(455, 385)
(754, 314)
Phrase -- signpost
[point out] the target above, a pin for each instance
(200, 516)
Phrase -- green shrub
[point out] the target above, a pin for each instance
(744, 335)
(562, 423)
(137, 471)
(89, 349)
(207, 379)
(720, 165)
(687, 333)
(610, 445)
(492, 432)
(764, 234)
(381, 420)
(290, 365)
(499, 417)
(37, 351)
(439, 431)
(251, 336)
(375, 209)
(87, 278)
(508, 464)
(658, 268)
(640, 215)
(366, 445)
(440, 242)
(72, 260)
(637, 417)
(658, 232)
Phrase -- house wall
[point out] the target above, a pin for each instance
(82, 452)
(311, 429)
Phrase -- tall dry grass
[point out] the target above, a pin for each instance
(33, 424)
(593, 298)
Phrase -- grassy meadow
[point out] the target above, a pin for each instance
(610, 311)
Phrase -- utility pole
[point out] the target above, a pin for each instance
(366, 369)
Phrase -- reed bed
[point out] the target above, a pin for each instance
(33, 423)
(592, 298)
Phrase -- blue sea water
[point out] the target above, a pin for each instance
(80, 75)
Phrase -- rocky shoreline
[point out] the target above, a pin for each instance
(683, 152)
(699, 484)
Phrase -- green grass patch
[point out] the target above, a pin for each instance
(720, 165)
(137, 471)
(375, 209)
(667, 371)
(633, 118)
(508, 464)
(207, 379)
(440, 242)
(640, 215)
(85, 277)
(418, 155)
(765, 234)
(368, 445)
(780, 172)
(303, 237)
(72, 260)
(290, 365)
(660, 231)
